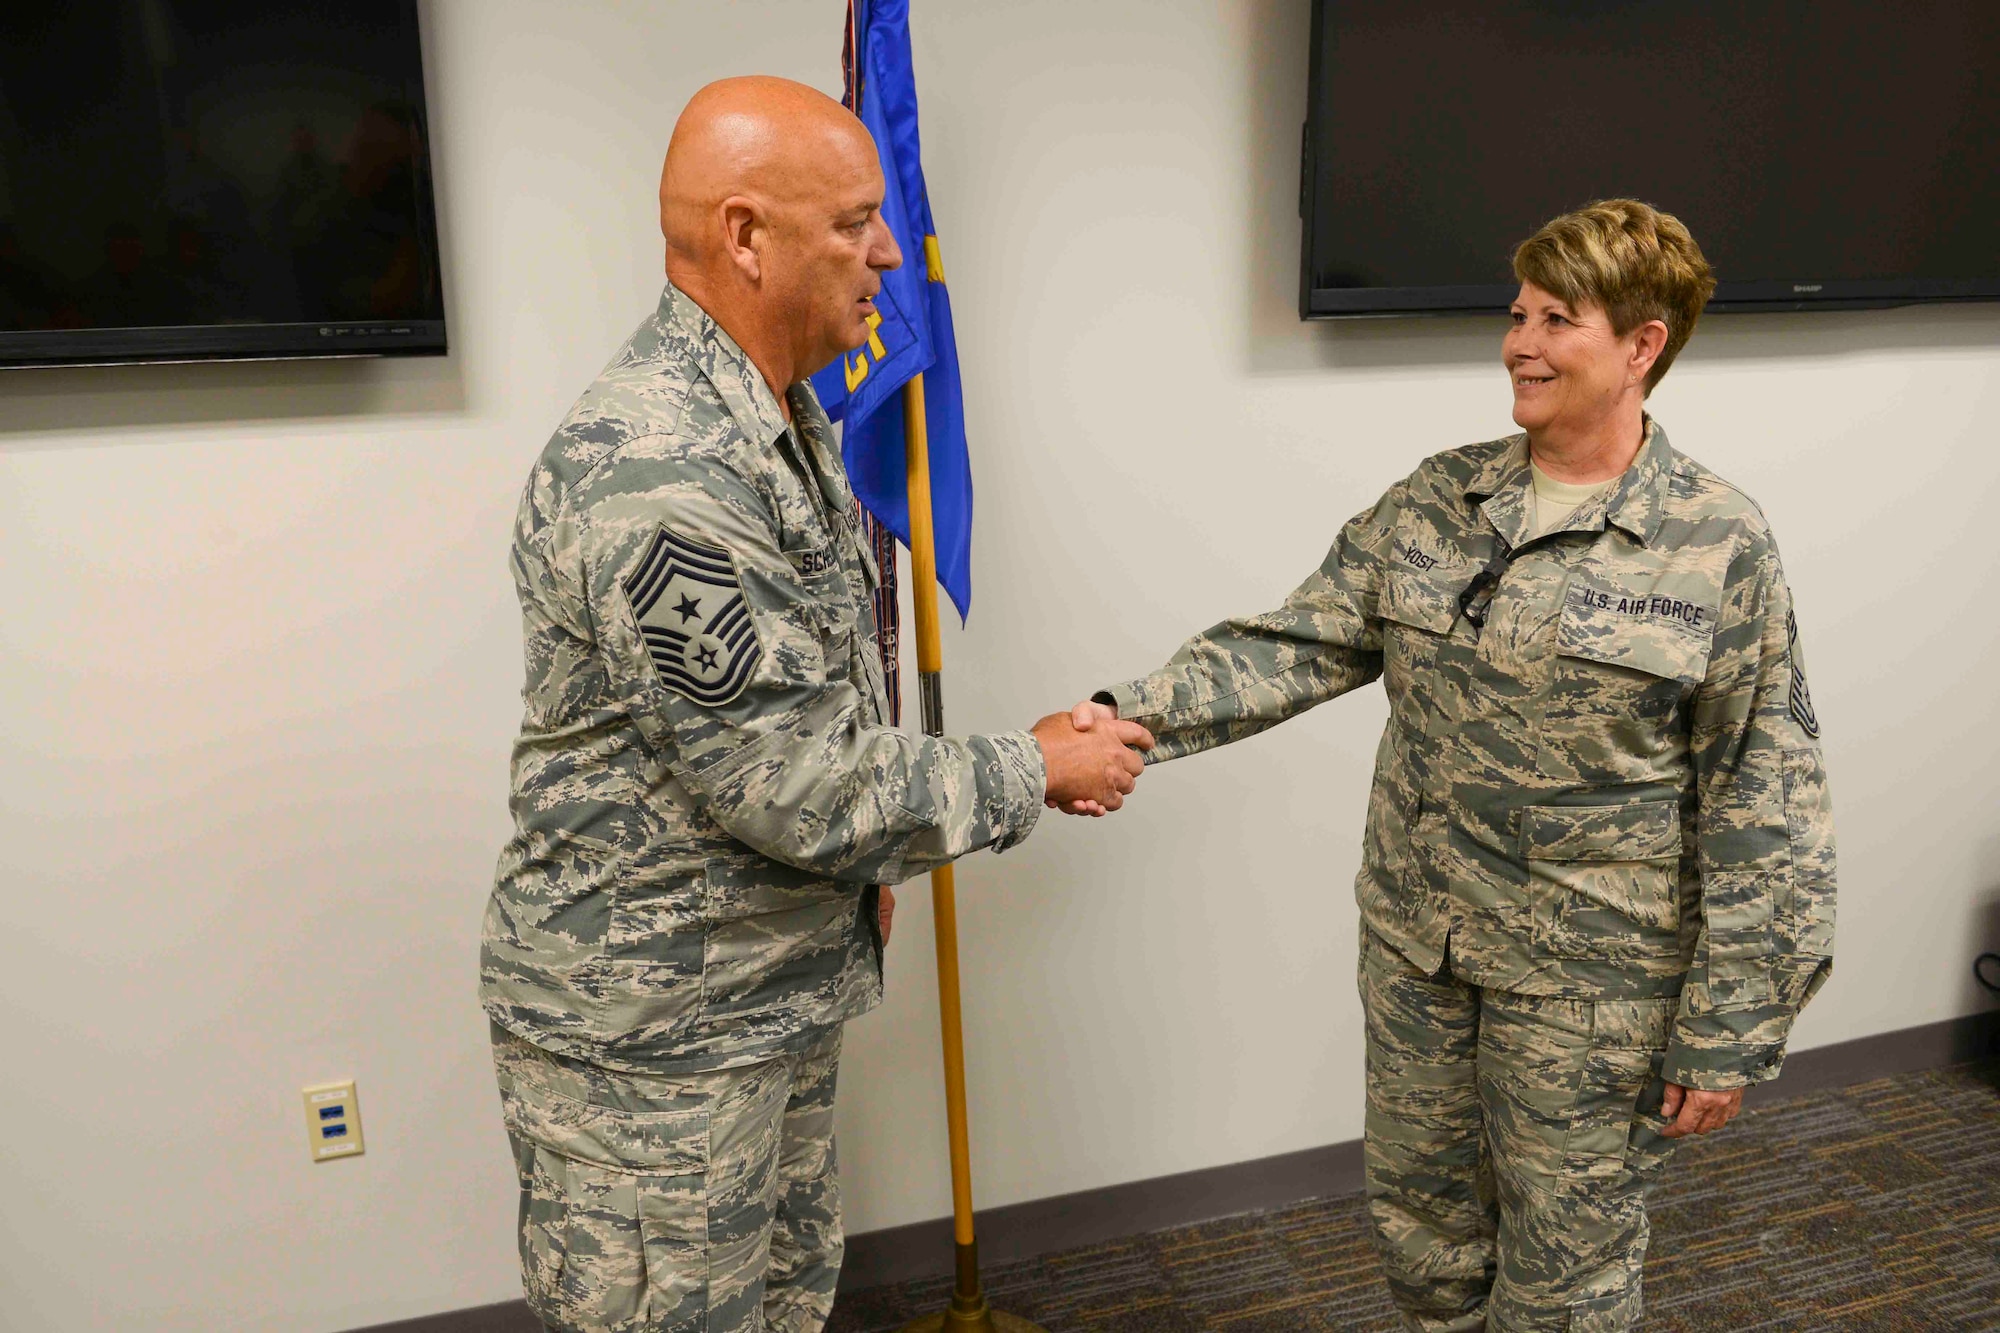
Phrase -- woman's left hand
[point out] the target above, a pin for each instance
(1694, 1111)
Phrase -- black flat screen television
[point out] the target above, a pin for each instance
(214, 179)
(1825, 153)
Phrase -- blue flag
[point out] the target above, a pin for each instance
(912, 333)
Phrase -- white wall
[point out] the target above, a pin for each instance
(259, 656)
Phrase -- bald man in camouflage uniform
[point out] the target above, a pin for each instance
(1598, 878)
(706, 784)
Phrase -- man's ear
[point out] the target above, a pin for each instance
(1648, 341)
(744, 229)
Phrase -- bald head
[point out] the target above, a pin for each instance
(770, 204)
(770, 139)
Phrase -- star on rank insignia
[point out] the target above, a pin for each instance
(697, 627)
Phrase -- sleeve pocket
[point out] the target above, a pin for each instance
(1807, 922)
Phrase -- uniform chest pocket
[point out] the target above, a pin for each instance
(1425, 571)
(1419, 602)
(828, 602)
(1603, 879)
(1625, 664)
(1649, 631)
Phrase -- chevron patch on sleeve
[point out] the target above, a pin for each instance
(1801, 697)
(690, 608)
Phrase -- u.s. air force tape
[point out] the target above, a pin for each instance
(690, 608)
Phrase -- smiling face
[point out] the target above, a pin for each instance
(1571, 372)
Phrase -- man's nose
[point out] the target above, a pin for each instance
(885, 253)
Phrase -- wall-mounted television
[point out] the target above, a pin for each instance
(1825, 153)
(214, 179)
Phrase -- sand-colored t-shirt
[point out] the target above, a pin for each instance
(1555, 501)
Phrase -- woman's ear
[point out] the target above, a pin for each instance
(1648, 341)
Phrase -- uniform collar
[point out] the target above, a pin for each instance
(725, 365)
(815, 434)
(747, 395)
(1502, 489)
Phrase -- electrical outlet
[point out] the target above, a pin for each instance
(333, 1120)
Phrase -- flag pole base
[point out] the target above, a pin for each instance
(969, 1312)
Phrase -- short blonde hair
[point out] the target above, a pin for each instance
(1630, 260)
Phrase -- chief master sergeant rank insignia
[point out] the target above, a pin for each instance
(690, 607)
(1801, 697)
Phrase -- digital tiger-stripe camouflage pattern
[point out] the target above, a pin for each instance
(1601, 776)
(1510, 1143)
(704, 789)
(655, 1203)
(705, 780)
(1599, 854)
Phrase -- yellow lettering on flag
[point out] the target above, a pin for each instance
(857, 370)
(933, 260)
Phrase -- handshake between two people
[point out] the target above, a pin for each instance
(1093, 759)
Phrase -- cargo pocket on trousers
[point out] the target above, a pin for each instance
(614, 1219)
(543, 1236)
(1603, 879)
(1613, 1312)
(1615, 1122)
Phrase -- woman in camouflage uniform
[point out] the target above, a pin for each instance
(1598, 877)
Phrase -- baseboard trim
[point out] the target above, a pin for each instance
(505, 1317)
(1089, 1217)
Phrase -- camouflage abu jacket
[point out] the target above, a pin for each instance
(1601, 775)
(705, 779)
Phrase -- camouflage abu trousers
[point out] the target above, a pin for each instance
(1510, 1143)
(675, 1203)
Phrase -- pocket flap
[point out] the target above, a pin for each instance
(1424, 573)
(1645, 831)
(1644, 630)
(1410, 598)
(642, 1143)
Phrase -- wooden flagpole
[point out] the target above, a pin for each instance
(969, 1310)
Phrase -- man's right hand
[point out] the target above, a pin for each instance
(1083, 717)
(1091, 768)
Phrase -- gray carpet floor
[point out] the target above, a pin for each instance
(1871, 1207)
